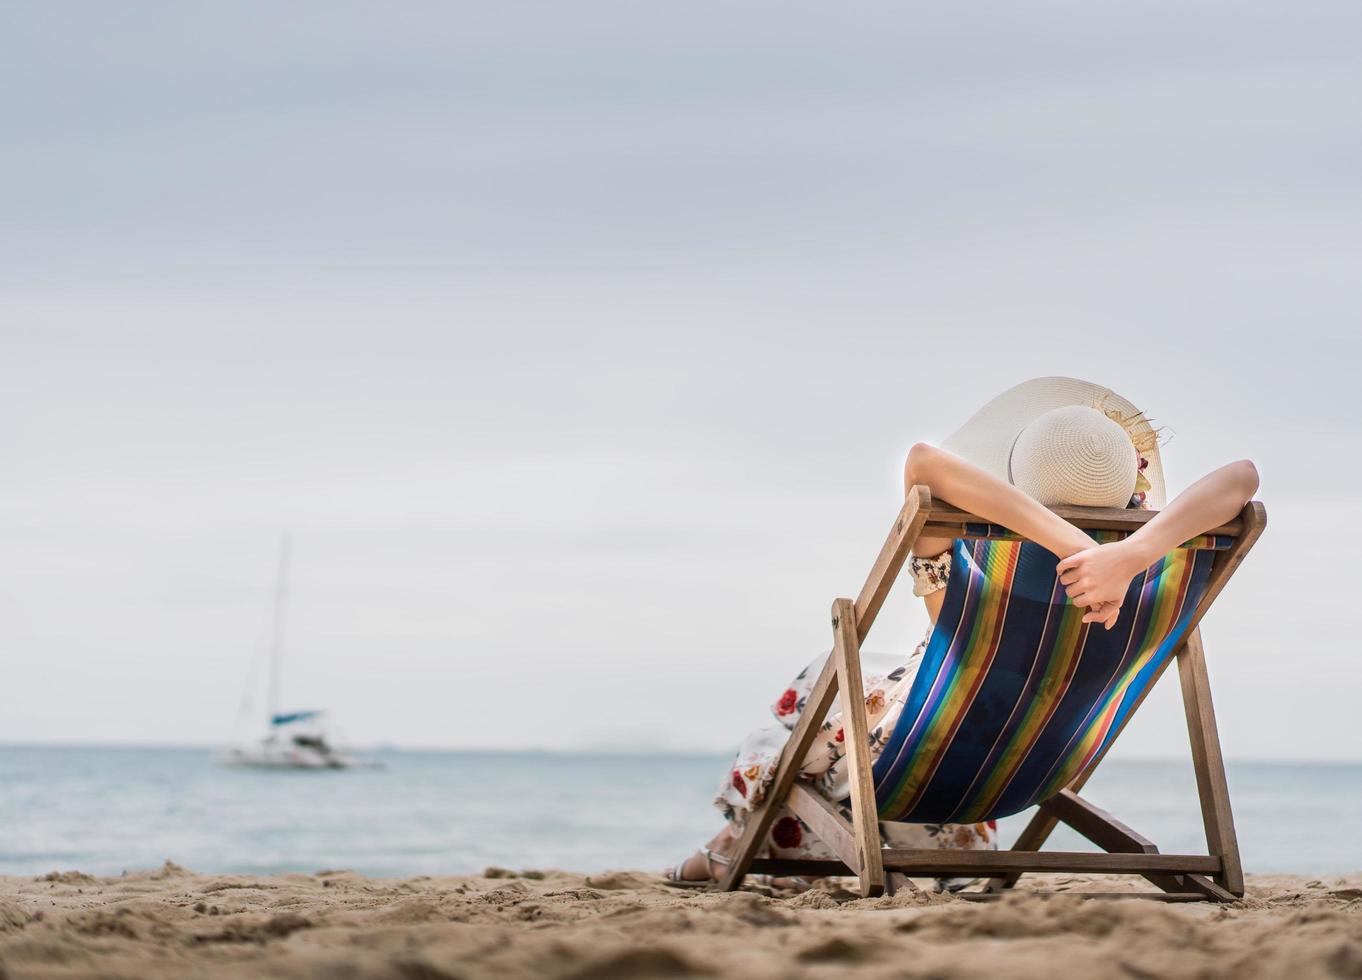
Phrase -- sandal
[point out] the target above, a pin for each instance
(675, 877)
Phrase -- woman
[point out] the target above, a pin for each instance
(1046, 442)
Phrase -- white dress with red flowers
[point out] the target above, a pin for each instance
(888, 680)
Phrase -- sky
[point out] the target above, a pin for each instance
(579, 345)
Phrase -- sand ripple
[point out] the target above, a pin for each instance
(172, 923)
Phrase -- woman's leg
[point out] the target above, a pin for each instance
(744, 785)
(888, 681)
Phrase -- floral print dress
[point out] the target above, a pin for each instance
(888, 680)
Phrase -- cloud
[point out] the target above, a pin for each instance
(580, 346)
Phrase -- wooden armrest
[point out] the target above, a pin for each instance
(947, 521)
(921, 516)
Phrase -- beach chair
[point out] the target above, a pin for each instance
(1014, 705)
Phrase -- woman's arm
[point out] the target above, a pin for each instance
(966, 486)
(996, 501)
(1101, 574)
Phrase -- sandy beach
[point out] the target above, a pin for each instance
(172, 922)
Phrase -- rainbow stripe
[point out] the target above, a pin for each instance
(1015, 696)
(960, 684)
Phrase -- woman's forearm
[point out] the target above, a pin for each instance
(968, 487)
(1213, 500)
(1100, 576)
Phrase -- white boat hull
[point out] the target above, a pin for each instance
(274, 756)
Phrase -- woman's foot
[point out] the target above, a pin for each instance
(709, 864)
(698, 870)
(705, 865)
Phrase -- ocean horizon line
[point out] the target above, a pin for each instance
(591, 751)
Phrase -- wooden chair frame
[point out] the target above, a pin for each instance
(1216, 875)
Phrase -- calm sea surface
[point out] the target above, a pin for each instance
(104, 810)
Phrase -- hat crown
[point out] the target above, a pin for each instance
(989, 438)
(1075, 455)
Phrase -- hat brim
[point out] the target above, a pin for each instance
(986, 439)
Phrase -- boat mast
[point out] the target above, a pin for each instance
(277, 648)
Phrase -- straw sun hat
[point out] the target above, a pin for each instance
(1065, 441)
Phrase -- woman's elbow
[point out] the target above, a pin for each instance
(917, 467)
(1246, 474)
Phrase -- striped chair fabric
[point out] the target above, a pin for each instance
(1015, 696)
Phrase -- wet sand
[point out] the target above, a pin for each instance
(172, 923)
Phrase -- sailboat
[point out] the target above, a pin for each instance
(293, 739)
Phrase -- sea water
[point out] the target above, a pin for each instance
(106, 810)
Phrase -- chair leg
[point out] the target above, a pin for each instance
(1209, 763)
(1033, 836)
(1212, 787)
(865, 819)
(787, 770)
(1110, 834)
(893, 554)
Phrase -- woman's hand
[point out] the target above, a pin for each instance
(1105, 614)
(1098, 577)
